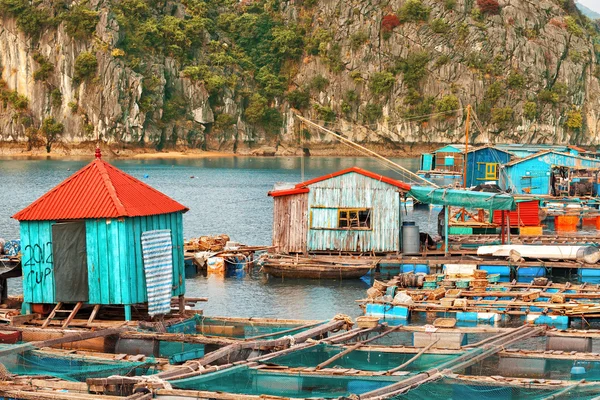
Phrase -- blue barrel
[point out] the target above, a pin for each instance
(410, 239)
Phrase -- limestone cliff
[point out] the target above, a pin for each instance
(227, 75)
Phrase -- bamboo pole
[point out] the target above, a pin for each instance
(407, 363)
(297, 328)
(356, 346)
(370, 152)
(70, 338)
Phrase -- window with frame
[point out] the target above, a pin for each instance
(354, 218)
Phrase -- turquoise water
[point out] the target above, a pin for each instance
(225, 195)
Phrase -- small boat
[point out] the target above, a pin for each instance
(313, 268)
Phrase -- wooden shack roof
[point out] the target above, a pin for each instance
(303, 187)
(99, 190)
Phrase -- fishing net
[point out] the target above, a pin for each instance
(450, 388)
(365, 360)
(244, 380)
(72, 367)
(216, 327)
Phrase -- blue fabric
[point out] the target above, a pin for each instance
(157, 249)
(12, 247)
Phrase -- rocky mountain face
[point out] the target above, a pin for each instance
(230, 76)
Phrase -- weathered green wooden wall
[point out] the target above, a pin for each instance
(114, 257)
(37, 261)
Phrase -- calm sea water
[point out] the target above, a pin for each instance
(225, 195)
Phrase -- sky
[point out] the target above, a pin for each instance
(591, 4)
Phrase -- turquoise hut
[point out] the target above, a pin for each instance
(82, 241)
(533, 174)
(352, 210)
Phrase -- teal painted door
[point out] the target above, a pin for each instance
(70, 262)
(426, 162)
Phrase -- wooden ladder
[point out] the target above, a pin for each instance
(58, 309)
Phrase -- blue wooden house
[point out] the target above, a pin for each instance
(520, 150)
(448, 158)
(533, 174)
(81, 241)
(352, 210)
(483, 164)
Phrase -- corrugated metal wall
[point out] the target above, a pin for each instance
(290, 223)
(353, 191)
(114, 257)
(533, 176)
(526, 214)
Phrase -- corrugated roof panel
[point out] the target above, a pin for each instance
(302, 187)
(99, 190)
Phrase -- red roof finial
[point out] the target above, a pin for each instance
(98, 152)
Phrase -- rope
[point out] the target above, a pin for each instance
(291, 339)
(346, 319)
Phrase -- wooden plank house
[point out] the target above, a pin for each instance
(352, 210)
(82, 242)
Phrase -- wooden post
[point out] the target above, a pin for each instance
(502, 227)
(127, 312)
(181, 304)
(446, 223)
(508, 227)
(466, 146)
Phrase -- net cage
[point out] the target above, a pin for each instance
(71, 367)
(250, 381)
(448, 388)
(365, 360)
(217, 327)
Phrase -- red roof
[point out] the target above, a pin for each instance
(302, 187)
(99, 190)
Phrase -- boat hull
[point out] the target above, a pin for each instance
(298, 271)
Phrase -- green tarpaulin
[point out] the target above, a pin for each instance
(462, 198)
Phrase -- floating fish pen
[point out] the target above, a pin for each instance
(321, 360)
(474, 296)
(327, 368)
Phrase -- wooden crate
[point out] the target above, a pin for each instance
(444, 322)
(479, 283)
(557, 298)
(447, 302)
(531, 296)
(366, 321)
(453, 293)
(480, 274)
(437, 294)
(461, 303)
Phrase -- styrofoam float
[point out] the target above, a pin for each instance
(587, 254)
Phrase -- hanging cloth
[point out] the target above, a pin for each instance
(157, 249)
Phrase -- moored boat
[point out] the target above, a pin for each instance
(313, 268)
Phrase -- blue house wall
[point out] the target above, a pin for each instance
(114, 259)
(533, 175)
(482, 162)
